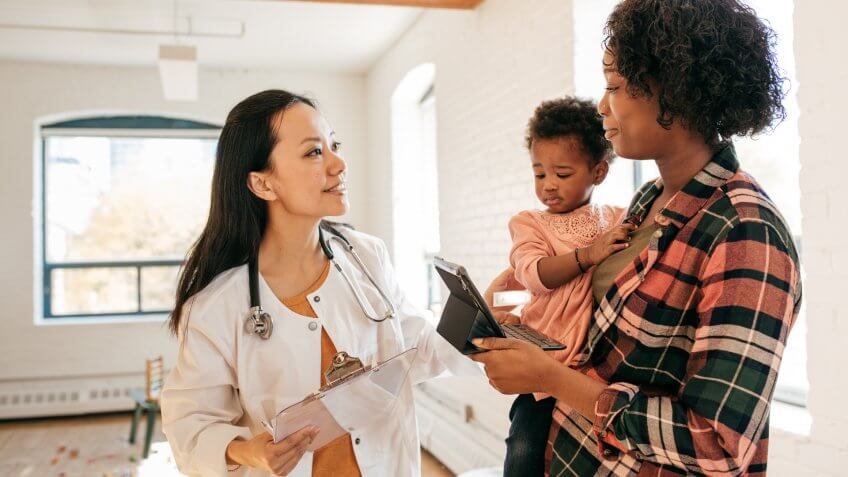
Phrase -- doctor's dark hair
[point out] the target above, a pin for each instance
(237, 218)
(711, 63)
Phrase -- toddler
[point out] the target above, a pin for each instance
(554, 250)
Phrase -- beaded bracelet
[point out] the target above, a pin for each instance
(579, 265)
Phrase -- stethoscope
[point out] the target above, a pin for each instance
(259, 322)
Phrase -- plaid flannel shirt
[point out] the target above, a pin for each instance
(689, 337)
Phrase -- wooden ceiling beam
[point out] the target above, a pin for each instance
(454, 4)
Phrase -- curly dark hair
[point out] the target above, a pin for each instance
(571, 117)
(713, 62)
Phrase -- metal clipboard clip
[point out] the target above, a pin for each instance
(342, 368)
(354, 396)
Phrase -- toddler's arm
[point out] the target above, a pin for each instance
(540, 271)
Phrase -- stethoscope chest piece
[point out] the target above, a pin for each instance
(259, 323)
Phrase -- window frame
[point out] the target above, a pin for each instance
(434, 286)
(119, 126)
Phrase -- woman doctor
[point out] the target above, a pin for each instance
(278, 173)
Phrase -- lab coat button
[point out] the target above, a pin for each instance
(313, 326)
(356, 441)
(316, 299)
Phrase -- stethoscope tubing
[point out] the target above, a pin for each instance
(390, 307)
(261, 324)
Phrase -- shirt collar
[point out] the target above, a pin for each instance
(692, 197)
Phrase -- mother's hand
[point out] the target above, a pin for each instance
(516, 367)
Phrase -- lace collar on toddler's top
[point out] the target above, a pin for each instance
(582, 225)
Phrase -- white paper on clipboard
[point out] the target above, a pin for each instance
(348, 405)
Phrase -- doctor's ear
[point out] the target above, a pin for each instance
(258, 183)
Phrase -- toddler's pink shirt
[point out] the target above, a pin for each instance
(563, 313)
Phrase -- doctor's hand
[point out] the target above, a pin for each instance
(260, 452)
(516, 367)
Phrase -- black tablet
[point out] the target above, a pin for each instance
(466, 315)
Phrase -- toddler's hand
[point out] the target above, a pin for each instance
(506, 317)
(615, 239)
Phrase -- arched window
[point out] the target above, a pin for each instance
(415, 195)
(122, 199)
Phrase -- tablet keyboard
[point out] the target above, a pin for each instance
(525, 333)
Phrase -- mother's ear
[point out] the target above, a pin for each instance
(258, 183)
(600, 172)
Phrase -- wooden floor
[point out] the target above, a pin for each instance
(97, 446)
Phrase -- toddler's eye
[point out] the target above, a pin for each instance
(563, 176)
(539, 176)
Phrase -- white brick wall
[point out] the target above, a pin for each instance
(493, 66)
(821, 72)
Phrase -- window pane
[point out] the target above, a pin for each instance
(792, 385)
(93, 290)
(125, 198)
(617, 188)
(773, 159)
(158, 286)
(648, 171)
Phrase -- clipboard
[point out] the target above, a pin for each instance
(354, 397)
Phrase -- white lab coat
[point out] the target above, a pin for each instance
(225, 382)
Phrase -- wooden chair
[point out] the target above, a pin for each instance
(148, 401)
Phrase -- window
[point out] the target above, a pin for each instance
(415, 188)
(427, 115)
(772, 158)
(122, 200)
(625, 176)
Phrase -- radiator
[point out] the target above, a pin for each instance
(463, 422)
(68, 396)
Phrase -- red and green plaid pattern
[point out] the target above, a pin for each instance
(690, 336)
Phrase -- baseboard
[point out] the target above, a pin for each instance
(68, 396)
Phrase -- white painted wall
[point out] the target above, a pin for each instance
(31, 91)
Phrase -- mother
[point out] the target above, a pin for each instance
(691, 321)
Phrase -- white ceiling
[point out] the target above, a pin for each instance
(296, 36)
